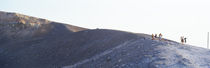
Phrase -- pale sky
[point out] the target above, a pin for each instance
(172, 18)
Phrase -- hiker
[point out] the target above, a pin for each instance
(160, 36)
(153, 37)
(185, 40)
(182, 39)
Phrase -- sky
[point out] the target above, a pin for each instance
(172, 18)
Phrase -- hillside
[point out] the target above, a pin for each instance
(29, 42)
(147, 53)
(18, 26)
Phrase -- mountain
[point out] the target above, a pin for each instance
(29, 42)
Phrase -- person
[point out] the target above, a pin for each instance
(182, 39)
(160, 36)
(153, 37)
(185, 40)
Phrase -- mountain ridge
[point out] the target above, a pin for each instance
(17, 26)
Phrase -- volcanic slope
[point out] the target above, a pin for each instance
(142, 52)
(29, 42)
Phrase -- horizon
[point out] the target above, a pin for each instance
(189, 18)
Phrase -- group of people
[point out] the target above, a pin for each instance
(154, 37)
(183, 39)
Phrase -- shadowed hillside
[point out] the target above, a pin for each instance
(29, 42)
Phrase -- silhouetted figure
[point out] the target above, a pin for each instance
(155, 35)
(185, 40)
(182, 39)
